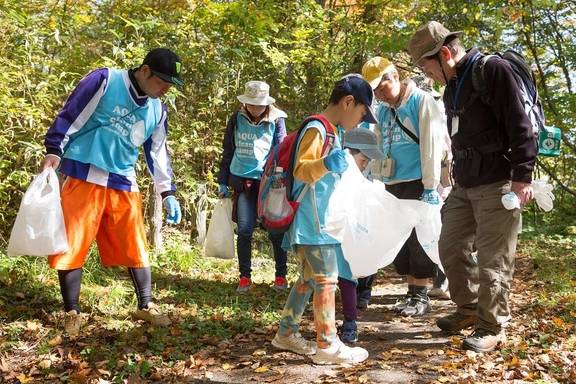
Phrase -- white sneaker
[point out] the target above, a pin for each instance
(294, 343)
(339, 353)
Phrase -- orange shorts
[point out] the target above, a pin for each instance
(112, 217)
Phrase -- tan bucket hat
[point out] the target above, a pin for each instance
(428, 40)
(256, 93)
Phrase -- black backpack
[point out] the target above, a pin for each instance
(524, 79)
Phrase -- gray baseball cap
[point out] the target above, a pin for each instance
(365, 141)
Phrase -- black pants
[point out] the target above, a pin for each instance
(412, 260)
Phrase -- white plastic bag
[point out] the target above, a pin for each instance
(370, 223)
(220, 237)
(201, 214)
(428, 227)
(543, 194)
(39, 228)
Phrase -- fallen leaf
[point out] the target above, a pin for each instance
(262, 369)
(24, 379)
(259, 352)
(363, 379)
(56, 340)
(227, 366)
(45, 364)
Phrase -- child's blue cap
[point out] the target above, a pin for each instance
(355, 85)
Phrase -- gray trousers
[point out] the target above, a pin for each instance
(476, 216)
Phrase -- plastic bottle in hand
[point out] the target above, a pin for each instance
(277, 206)
(510, 201)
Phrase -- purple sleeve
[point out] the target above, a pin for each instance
(280, 132)
(158, 157)
(77, 109)
(228, 148)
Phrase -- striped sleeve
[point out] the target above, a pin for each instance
(76, 111)
(158, 158)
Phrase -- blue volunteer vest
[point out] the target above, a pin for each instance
(309, 221)
(111, 137)
(402, 149)
(253, 143)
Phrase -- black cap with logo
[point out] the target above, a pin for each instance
(164, 64)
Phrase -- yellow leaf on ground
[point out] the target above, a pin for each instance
(558, 322)
(45, 364)
(24, 379)
(57, 340)
(259, 352)
(363, 379)
(262, 369)
(227, 366)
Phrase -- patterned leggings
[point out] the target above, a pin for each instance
(318, 274)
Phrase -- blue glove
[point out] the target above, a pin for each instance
(223, 191)
(336, 161)
(430, 196)
(173, 213)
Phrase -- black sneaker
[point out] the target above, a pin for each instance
(417, 306)
(362, 303)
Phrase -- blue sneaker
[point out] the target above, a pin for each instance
(349, 332)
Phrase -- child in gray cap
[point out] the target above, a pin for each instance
(363, 146)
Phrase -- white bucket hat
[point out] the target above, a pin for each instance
(256, 93)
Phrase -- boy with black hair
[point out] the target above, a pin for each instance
(350, 103)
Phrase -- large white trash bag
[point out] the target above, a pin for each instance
(428, 227)
(220, 236)
(39, 228)
(368, 221)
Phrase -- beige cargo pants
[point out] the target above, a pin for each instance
(474, 218)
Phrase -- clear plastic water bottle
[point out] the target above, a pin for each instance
(510, 201)
(277, 206)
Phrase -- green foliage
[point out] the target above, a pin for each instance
(298, 46)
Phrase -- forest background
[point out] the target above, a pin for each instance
(300, 48)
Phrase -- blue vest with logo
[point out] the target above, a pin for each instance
(396, 143)
(309, 221)
(253, 143)
(111, 137)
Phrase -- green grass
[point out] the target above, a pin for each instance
(198, 293)
(554, 257)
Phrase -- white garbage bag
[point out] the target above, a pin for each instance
(39, 228)
(428, 227)
(543, 194)
(220, 236)
(368, 221)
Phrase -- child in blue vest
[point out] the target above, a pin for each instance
(251, 133)
(363, 146)
(350, 102)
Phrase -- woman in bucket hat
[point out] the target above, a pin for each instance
(251, 133)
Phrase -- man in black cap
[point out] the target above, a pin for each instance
(494, 151)
(94, 142)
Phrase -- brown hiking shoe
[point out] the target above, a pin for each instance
(455, 322)
(151, 314)
(483, 340)
(72, 323)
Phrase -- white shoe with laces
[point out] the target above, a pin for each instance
(340, 353)
(294, 343)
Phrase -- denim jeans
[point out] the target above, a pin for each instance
(246, 212)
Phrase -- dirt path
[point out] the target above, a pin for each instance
(402, 350)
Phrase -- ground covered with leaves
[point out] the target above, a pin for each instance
(219, 336)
